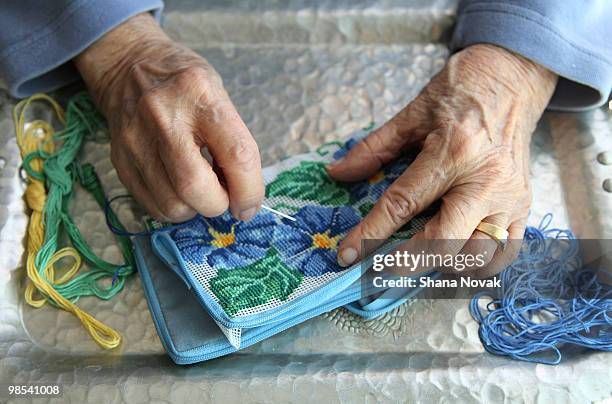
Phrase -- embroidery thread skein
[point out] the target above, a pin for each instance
(51, 156)
(547, 302)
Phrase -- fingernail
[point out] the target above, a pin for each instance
(247, 214)
(347, 256)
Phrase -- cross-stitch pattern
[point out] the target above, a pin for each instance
(312, 239)
(255, 266)
(308, 181)
(255, 284)
(224, 242)
(370, 190)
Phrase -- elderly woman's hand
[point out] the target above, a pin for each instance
(163, 104)
(473, 123)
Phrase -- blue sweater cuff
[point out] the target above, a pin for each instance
(43, 61)
(585, 77)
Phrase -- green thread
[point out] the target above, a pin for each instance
(409, 230)
(322, 150)
(255, 284)
(286, 208)
(26, 164)
(61, 171)
(365, 208)
(309, 181)
(370, 126)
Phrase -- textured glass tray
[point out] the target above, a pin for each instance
(300, 75)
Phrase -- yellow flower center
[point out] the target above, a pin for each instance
(221, 240)
(323, 240)
(378, 177)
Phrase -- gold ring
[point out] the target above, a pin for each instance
(499, 234)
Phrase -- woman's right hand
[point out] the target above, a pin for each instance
(164, 103)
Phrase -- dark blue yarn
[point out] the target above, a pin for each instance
(115, 229)
(116, 275)
(547, 302)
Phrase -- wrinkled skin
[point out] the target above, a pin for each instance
(163, 104)
(473, 124)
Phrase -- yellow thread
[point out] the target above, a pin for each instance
(222, 240)
(378, 177)
(39, 136)
(323, 240)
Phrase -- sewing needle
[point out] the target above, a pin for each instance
(278, 213)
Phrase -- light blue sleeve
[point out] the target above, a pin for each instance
(38, 39)
(573, 38)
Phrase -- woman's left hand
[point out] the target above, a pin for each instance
(473, 123)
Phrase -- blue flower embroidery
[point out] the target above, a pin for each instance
(373, 188)
(343, 151)
(310, 243)
(225, 242)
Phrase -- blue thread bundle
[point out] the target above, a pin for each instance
(547, 301)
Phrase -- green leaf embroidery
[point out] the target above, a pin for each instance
(411, 228)
(322, 150)
(286, 205)
(370, 126)
(309, 181)
(255, 284)
(365, 208)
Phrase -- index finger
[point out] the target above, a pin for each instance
(193, 179)
(191, 176)
(423, 182)
(236, 153)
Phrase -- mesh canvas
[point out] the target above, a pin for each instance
(256, 267)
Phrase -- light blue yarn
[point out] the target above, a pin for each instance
(509, 327)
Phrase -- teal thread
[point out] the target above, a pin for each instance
(61, 170)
